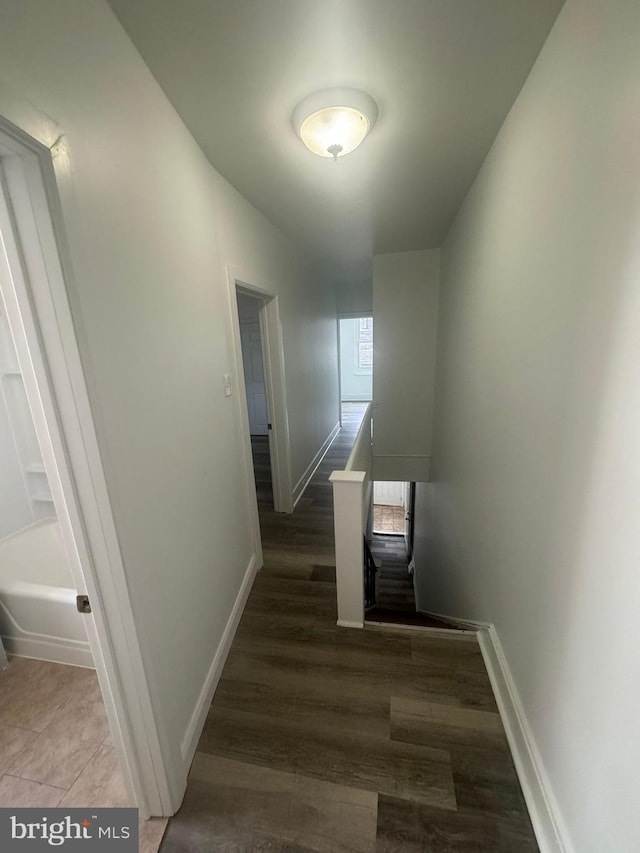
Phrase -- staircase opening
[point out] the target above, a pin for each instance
(391, 597)
(395, 601)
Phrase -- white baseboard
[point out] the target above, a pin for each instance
(463, 624)
(199, 715)
(550, 831)
(544, 812)
(303, 482)
(342, 623)
(421, 630)
(70, 652)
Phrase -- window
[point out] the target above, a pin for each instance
(364, 345)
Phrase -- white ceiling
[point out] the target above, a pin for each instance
(443, 72)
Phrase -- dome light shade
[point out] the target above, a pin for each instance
(333, 122)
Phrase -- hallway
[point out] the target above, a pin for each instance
(328, 739)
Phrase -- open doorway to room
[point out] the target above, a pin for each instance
(255, 386)
(262, 400)
(49, 688)
(391, 507)
(356, 359)
(75, 707)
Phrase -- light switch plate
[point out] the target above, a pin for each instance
(227, 385)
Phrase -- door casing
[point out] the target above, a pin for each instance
(240, 280)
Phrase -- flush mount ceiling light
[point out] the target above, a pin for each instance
(333, 122)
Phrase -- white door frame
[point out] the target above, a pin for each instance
(37, 291)
(275, 387)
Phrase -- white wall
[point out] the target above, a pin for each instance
(308, 313)
(151, 227)
(535, 500)
(354, 385)
(354, 295)
(405, 311)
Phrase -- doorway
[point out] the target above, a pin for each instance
(255, 388)
(356, 359)
(393, 511)
(48, 640)
(63, 507)
(261, 399)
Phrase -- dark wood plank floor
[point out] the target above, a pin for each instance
(329, 739)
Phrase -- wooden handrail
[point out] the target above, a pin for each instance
(360, 456)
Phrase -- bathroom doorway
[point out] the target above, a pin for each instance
(56, 732)
(38, 612)
(56, 744)
(65, 604)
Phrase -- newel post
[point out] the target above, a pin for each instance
(348, 490)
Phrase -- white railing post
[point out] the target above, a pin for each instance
(348, 488)
(351, 496)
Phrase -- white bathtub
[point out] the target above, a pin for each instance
(38, 616)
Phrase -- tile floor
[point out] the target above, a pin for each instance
(55, 745)
(388, 519)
